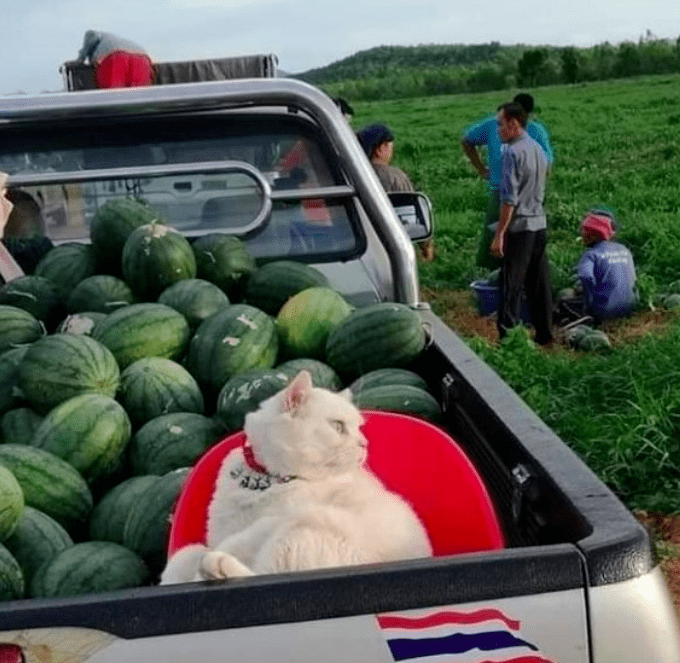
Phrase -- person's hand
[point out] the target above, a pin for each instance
(497, 246)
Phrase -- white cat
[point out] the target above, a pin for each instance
(297, 496)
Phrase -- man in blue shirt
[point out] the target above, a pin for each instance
(485, 133)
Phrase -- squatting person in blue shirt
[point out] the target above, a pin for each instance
(606, 271)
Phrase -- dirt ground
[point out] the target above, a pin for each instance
(457, 309)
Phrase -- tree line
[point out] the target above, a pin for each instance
(391, 72)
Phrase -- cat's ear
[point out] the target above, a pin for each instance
(346, 394)
(297, 391)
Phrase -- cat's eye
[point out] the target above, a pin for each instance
(339, 426)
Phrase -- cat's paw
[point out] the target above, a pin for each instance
(218, 565)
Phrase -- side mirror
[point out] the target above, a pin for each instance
(415, 212)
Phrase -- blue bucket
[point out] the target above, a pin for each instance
(487, 297)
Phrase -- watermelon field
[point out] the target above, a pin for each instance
(616, 144)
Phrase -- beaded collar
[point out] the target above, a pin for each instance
(254, 476)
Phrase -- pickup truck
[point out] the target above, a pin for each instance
(576, 580)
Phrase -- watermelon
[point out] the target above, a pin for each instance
(400, 398)
(37, 539)
(387, 376)
(12, 585)
(322, 374)
(112, 225)
(66, 265)
(89, 567)
(147, 524)
(172, 441)
(306, 320)
(384, 335)
(102, 293)
(154, 257)
(232, 341)
(109, 514)
(10, 394)
(195, 299)
(153, 386)
(243, 393)
(80, 323)
(270, 286)
(61, 366)
(90, 431)
(225, 261)
(18, 327)
(37, 295)
(594, 340)
(11, 502)
(49, 483)
(19, 425)
(143, 330)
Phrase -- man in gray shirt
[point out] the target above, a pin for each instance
(520, 237)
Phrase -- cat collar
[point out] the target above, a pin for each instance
(262, 479)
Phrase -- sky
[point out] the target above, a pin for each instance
(39, 35)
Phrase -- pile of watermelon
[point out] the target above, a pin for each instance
(123, 360)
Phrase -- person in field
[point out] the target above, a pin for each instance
(484, 135)
(117, 62)
(378, 143)
(520, 237)
(606, 271)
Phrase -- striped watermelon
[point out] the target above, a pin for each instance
(37, 295)
(232, 341)
(143, 330)
(19, 425)
(90, 431)
(388, 376)
(102, 293)
(195, 299)
(109, 514)
(225, 261)
(400, 398)
(18, 327)
(11, 502)
(10, 394)
(153, 386)
(89, 567)
(61, 366)
(244, 392)
(49, 483)
(322, 374)
(270, 286)
(384, 335)
(111, 226)
(66, 265)
(306, 320)
(12, 585)
(154, 257)
(37, 539)
(172, 441)
(147, 524)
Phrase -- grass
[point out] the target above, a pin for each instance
(616, 144)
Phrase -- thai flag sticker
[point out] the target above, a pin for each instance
(482, 636)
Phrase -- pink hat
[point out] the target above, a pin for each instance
(598, 224)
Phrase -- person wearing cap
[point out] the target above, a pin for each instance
(520, 237)
(117, 62)
(484, 133)
(377, 141)
(606, 270)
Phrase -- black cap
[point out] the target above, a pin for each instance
(373, 135)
